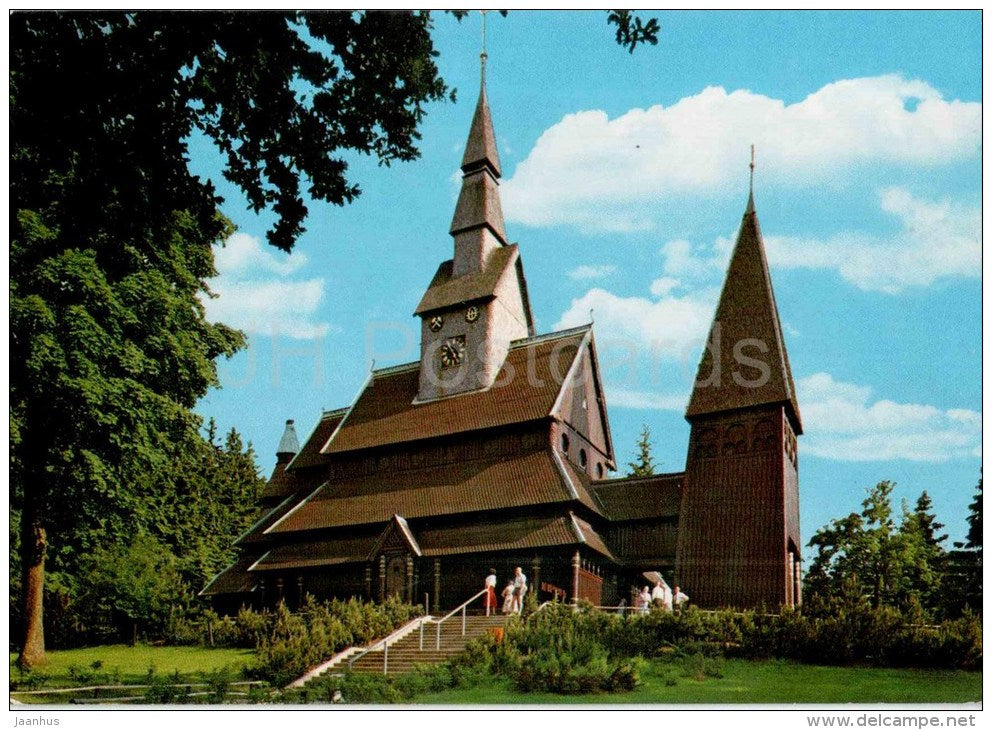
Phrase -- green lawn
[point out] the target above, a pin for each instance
(130, 664)
(759, 682)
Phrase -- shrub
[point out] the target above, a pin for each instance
(288, 644)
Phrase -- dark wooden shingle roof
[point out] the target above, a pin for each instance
(310, 453)
(747, 316)
(469, 486)
(234, 579)
(525, 390)
(312, 553)
(445, 291)
(635, 498)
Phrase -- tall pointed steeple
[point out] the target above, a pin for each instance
(477, 303)
(745, 362)
(477, 225)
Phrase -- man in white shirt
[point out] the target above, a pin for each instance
(519, 589)
(663, 595)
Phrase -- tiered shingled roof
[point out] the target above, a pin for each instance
(521, 533)
(478, 203)
(468, 486)
(525, 390)
(747, 311)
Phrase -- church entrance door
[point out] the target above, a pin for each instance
(395, 576)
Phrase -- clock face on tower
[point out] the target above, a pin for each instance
(452, 351)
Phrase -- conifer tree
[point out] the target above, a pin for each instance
(643, 465)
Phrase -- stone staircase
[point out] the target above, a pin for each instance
(405, 653)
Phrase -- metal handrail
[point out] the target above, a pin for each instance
(384, 643)
(463, 608)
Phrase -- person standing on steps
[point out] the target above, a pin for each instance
(490, 598)
(519, 589)
(508, 598)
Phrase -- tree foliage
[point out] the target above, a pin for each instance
(866, 558)
(643, 464)
(632, 31)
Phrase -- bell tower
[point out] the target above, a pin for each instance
(476, 304)
(739, 539)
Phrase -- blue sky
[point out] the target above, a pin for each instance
(625, 177)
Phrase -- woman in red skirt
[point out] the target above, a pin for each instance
(490, 597)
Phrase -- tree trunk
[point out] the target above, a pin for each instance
(33, 545)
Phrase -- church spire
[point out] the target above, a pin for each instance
(745, 363)
(477, 225)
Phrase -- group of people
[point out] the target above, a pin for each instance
(661, 595)
(513, 594)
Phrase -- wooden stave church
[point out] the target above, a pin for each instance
(491, 452)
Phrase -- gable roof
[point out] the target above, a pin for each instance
(525, 389)
(747, 311)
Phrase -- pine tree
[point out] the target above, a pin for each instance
(643, 466)
(925, 558)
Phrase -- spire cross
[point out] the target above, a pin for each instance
(752, 168)
(483, 56)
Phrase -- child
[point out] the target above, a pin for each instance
(508, 598)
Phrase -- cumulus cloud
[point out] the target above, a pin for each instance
(588, 271)
(256, 292)
(937, 240)
(843, 421)
(670, 325)
(622, 397)
(592, 171)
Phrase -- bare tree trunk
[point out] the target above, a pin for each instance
(34, 541)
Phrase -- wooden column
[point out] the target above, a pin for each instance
(382, 578)
(576, 562)
(280, 583)
(409, 579)
(535, 579)
(299, 590)
(437, 585)
(368, 581)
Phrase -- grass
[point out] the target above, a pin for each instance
(756, 682)
(119, 664)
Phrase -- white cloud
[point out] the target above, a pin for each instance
(938, 240)
(593, 172)
(843, 422)
(587, 271)
(243, 255)
(621, 397)
(669, 326)
(255, 291)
